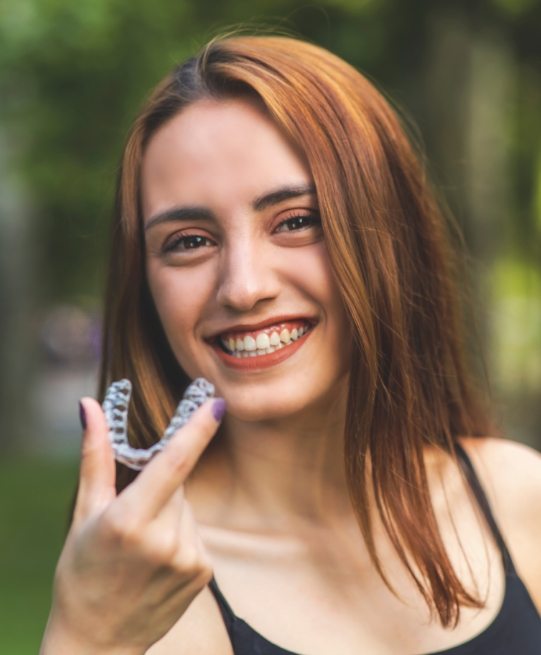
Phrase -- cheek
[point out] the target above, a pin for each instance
(179, 298)
(320, 282)
(314, 273)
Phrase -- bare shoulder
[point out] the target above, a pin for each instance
(510, 473)
(200, 631)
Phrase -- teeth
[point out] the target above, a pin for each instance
(264, 343)
(243, 354)
(249, 343)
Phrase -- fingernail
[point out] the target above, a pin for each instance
(218, 409)
(82, 415)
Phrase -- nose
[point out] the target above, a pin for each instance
(246, 277)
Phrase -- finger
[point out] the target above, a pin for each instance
(171, 512)
(97, 472)
(174, 534)
(170, 468)
(191, 554)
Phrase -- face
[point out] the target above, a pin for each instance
(236, 261)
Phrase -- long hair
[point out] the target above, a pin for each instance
(388, 243)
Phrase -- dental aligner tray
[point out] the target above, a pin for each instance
(115, 407)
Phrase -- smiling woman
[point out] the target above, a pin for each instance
(275, 234)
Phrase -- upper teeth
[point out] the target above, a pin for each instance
(263, 342)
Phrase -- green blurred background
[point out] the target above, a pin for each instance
(72, 77)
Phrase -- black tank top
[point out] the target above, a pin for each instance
(516, 629)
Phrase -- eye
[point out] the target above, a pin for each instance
(299, 222)
(185, 242)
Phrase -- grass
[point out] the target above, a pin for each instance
(35, 498)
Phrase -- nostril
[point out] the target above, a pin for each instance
(243, 286)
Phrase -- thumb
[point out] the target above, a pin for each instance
(97, 471)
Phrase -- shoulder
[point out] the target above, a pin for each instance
(510, 473)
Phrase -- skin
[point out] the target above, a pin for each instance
(266, 504)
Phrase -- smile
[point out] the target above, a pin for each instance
(263, 347)
(263, 342)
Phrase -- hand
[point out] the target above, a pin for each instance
(132, 563)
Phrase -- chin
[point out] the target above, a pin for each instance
(254, 405)
(258, 414)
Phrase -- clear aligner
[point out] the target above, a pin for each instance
(115, 407)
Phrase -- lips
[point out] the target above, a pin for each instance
(261, 345)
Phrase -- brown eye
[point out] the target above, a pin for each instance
(182, 243)
(299, 222)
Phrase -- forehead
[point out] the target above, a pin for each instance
(218, 152)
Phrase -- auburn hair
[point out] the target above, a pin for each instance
(389, 244)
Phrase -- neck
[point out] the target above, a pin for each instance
(275, 472)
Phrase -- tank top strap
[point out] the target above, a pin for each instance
(225, 609)
(484, 505)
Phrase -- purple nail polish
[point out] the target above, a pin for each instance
(82, 415)
(218, 408)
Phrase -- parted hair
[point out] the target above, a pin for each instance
(391, 249)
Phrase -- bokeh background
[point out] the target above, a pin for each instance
(72, 77)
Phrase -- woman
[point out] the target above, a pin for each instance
(276, 235)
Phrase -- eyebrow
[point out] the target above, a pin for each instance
(202, 213)
(285, 193)
(178, 214)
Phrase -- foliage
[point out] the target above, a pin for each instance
(34, 523)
